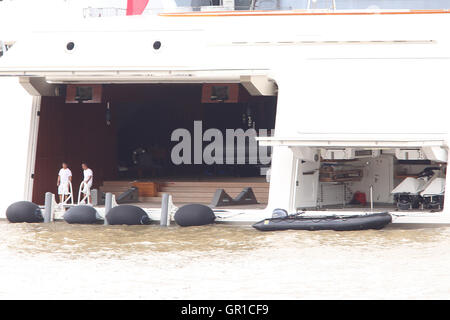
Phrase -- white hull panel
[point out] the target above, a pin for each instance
(249, 217)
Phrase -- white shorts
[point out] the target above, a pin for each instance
(86, 187)
(63, 189)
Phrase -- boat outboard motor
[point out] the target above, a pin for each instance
(82, 214)
(194, 215)
(127, 214)
(279, 213)
(24, 211)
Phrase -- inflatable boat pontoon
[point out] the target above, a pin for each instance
(337, 223)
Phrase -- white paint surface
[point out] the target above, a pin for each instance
(15, 108)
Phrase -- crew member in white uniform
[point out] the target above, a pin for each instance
(64, 177)
(88, 179)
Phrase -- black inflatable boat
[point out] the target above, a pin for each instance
(337, 223)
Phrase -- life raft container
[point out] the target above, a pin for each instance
(336, 223)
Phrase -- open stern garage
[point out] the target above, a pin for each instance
(129, 132)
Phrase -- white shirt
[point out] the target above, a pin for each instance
(64, 175)
(88, 173)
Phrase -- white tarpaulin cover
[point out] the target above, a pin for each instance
(410, 185)
(435, 186)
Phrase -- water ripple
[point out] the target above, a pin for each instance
(93, 261)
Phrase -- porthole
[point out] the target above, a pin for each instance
(156, 45)
(70, 46)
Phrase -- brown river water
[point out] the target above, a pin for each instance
(65, 261)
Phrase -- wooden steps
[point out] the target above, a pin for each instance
(203, 191)
(116, 187)
(183, 191)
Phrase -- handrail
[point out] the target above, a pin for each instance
(70, 195)
(86, 198)
(309, 5)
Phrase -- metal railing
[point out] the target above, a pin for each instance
(238, 5)
(103, 12)
(69, 194)
(86, 199)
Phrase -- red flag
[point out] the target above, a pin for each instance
(136, 7)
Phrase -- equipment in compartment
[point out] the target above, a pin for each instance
(359, 198)
(427, 190)
(330, 174)
(409, 154)
(386, 177)
(220, 93)
(433, 193)
(335, 178)
(84, 93)
(348, 153)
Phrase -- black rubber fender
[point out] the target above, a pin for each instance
(127, 214)
(24, 211)
(81, 214)
(194, 215)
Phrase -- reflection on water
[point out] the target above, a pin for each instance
(93, 261)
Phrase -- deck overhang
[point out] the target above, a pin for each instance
(257, 82)
(432, 146)
(358, 140)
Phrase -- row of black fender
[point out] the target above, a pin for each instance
(187, 215)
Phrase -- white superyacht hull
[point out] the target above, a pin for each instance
(247, 217)
(387, 59)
